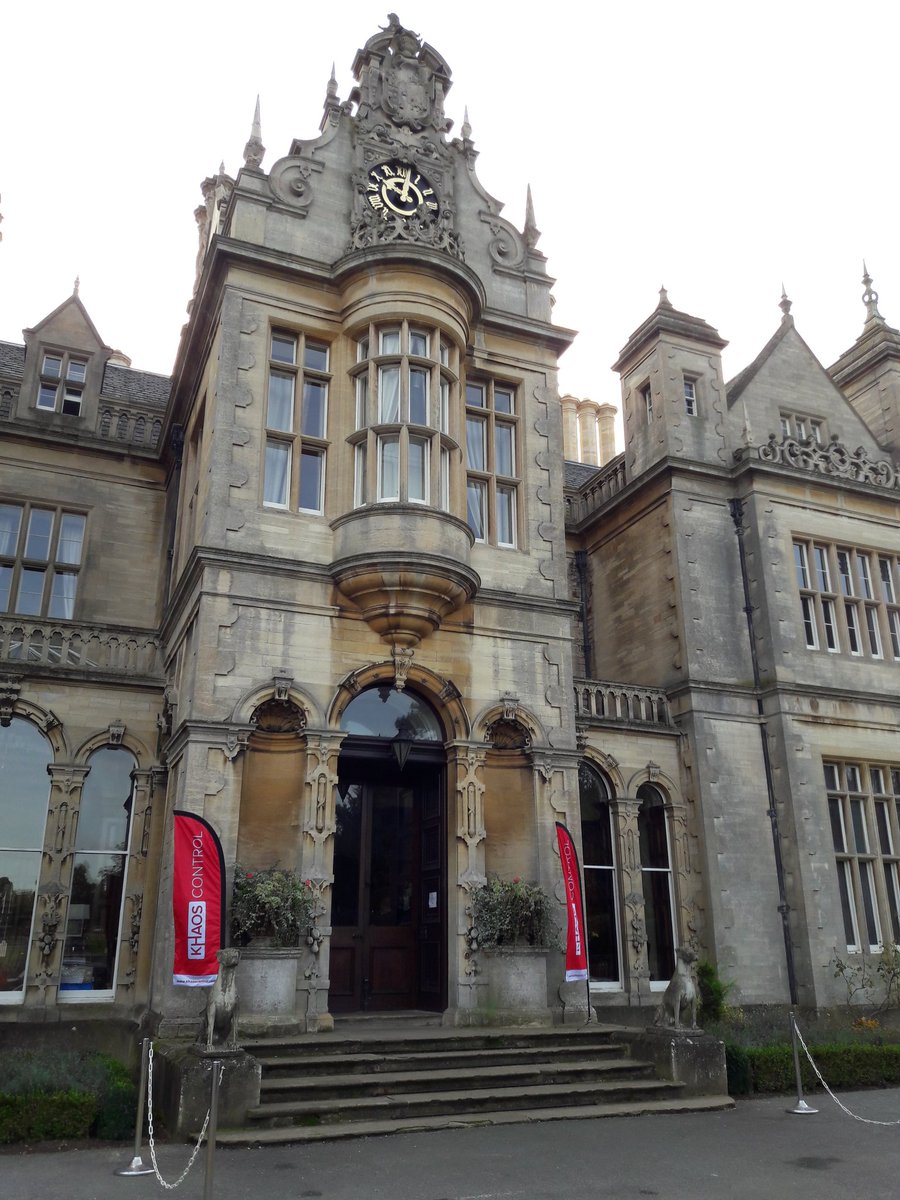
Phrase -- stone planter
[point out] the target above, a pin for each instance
(267, 981)
(514, 986)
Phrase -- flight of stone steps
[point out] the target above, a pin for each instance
(359, 1082)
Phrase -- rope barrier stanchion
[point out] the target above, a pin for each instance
(843, 1107)
(801, 1108)
(211, 1139)
(217, 1071)
(136, 1166)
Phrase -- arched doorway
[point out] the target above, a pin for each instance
(389, 901)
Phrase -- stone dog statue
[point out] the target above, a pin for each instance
(219, 1028)
(681, 992)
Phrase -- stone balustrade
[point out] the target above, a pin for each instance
(599, 700)
(37, 643)
(602, 487)
(117, 424)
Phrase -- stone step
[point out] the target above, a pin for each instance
(447, 1057)
(442, 1103)
(434, 1041)
(284, 1135)
(321, 1088)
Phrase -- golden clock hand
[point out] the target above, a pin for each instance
(404, 195)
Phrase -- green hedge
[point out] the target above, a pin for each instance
(48, 1095)
(768, 1069)
(44, 1116)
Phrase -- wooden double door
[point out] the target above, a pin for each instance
(388, 944)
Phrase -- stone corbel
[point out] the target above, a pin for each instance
(402, 662)
(236, 741)
(282, 682)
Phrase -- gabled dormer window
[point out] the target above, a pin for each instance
(61, 383)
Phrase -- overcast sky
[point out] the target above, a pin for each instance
(716, 148)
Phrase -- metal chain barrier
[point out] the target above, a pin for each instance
(843, 1107)
(181, 1178)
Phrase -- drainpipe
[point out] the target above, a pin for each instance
(737, 516)
(171, 518)
(581, 567)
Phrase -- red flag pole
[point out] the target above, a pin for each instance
(577, 966)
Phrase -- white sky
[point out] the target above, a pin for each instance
(716, 148)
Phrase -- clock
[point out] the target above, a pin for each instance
(397, 187)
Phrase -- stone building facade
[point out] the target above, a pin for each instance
(334, 587)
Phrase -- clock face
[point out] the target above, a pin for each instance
(397, 187)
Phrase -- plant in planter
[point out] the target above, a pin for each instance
(509, 913)
(272, 903)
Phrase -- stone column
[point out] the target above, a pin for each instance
(628, 858)
(205, 761)
(684, 901)
(146, 782)
(45, 962)
(323, 748)
(556, 799)
(465, 766)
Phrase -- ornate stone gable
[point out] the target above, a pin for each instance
(403, 166)
(401, 79)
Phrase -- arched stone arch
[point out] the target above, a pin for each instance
(13, 705)
(656, 776)
(441, 693)
(114, 736)
(608, 766)
(508, 712)
(279, 688)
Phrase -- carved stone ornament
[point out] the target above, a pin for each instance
(282, 683)
(9, 694)
(508, 735)
(403, 659)
(116, 732)
(834, 459)
(291, 181)
(372, 229)
(274, 716)
(403, 78)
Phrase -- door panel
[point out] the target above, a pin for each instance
(388, 898)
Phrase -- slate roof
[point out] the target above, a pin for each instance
(135, 387)
(12, 359)
(577, 474)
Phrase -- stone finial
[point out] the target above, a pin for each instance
(76, 285)
(331, 88)
(531, 232)
(254, 150)
(466, 129)
(870, 297)
(784, 304)
(664, 301)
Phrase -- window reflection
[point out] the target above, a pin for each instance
(385, 712)
(24, 794)
(98, 874)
